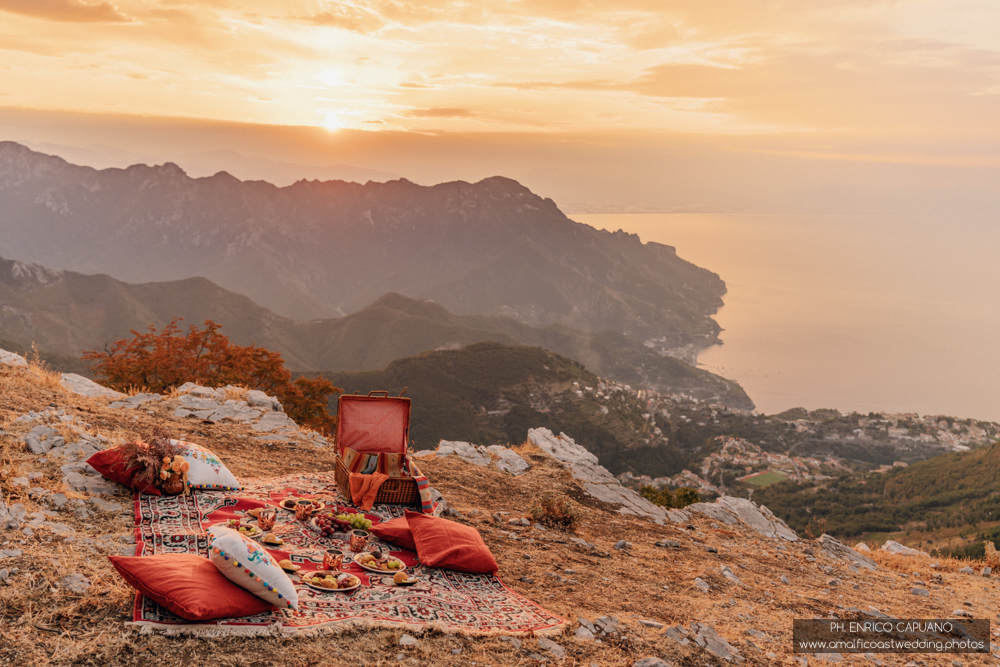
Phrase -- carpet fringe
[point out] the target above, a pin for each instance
(222, 629)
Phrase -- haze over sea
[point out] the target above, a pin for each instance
(854, 312)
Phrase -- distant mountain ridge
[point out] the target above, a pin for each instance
(65, 312)
(321, 249)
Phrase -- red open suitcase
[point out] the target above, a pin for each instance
(369, 424)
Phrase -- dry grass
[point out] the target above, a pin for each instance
(44, 625)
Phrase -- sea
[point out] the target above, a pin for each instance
(865, 313)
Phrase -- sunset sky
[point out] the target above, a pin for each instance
(636, 103)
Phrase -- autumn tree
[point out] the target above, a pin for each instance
(158, 361)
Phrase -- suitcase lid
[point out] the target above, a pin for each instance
(373, 423)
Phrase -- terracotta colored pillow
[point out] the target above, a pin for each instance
(395, 532)
(453, 546)
(111, 464)
(188, 585)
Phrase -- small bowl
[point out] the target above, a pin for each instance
(409, 582)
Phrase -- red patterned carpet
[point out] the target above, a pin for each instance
(445, 600)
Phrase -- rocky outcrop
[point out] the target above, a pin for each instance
(78, 384)
(500, 457)
(12, 359)
(595, 478)
(835, 550)
(730, 510)
(897, 548)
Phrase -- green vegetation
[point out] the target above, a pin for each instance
(766, 479)
(682, 497)
(488, 393)
(950, 491)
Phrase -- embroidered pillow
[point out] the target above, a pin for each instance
(207, 470)
(188, 585)
(247, 564)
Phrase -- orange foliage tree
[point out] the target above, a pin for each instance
(160, 360)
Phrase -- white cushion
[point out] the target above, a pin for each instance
(247, 564)
(207, 470)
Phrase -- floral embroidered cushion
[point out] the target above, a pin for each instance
(207, 470)
(247, 564)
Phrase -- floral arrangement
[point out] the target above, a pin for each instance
(175, 465)
(156, 460)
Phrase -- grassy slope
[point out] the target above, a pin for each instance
(42, 625)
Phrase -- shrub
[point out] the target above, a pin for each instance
(160, 360)
(683, 497)
(556, 513)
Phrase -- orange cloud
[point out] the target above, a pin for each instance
(65, 10)
(440, 113)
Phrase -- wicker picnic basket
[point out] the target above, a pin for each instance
(369, 424)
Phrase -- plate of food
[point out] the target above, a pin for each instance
(289, 566)
(403, 579)
(330, 582)
(375, 561)
(252, 532)
(271, 540)
(289, 504)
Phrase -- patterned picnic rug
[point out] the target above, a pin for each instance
(449, 601)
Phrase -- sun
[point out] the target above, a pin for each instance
(332, 122)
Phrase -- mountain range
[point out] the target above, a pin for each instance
(323, 249)
(66, 313)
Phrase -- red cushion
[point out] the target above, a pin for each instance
(111, 464)
(188, 585)
(444, 543)
(395, 532)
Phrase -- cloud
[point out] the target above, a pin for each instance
(440, 112)
(69, 11)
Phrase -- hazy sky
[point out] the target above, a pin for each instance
(645, 103)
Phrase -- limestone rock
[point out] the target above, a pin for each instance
(273, 421)
(730, 575)
(78, 384)
(258, 399)
(713, 642)
(595, 479)
(12, 359)
(43, 438)
(408, 640)
(897, 548)
(732, 511)
(463, 450)
(508, 460)
(555, 649)
(650, 661)
(838, 551)
(76, 583)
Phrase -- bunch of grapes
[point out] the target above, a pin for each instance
(329, 524)
(358, 521)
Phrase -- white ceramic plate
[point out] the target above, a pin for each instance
(254, 534)
(333, 590)
(372, 569)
